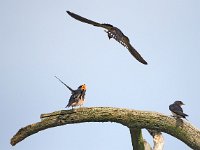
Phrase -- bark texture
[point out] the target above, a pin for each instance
(139, 143)
(137, 139)
(182, 130)
(158, 139)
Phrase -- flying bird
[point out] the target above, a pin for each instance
(78, 96)
(176, 109)
(113, 32)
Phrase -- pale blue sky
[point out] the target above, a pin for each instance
(39, 40)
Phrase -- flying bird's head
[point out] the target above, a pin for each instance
(180, 103)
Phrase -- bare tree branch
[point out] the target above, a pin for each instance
(147, 146)
(139, 143)
(182, 130)
(137, 139)
(158, 139)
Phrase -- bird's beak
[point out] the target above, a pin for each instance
(83, 87)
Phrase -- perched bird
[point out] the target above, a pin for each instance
(78, 96)
(176, 109)
(113, 32)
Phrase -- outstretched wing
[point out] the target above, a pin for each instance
(85, 20)
(112, 32)
(135, 54)
(177, 110)
(122, 39)
(65, 85)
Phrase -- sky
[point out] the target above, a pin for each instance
(39, 40)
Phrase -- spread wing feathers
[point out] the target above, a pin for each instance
(177, 110)
(122, 39)
(135, 54)
(65, 85)
(113, 32)
(85, 20)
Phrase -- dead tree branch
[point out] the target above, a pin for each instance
(182, 130)
(158, 139)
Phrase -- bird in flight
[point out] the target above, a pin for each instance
(78, 96)
(176, 110)
(113, 32)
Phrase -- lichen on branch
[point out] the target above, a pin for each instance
(182, 130)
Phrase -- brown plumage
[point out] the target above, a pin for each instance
(113, 32)
(78, 96)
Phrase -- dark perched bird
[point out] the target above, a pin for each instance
(176, 109)
(78, 96)
(113, 32)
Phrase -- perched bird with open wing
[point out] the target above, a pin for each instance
(113, 32)
(78, 96)
(176, 109)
